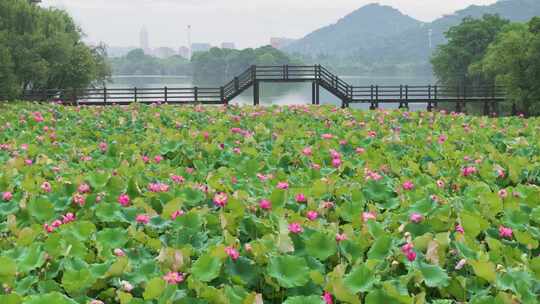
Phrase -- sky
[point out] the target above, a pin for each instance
(247, 23)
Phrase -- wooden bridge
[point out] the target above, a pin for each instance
(318, 76)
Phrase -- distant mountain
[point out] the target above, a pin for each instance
(381, 35)
(356, 33)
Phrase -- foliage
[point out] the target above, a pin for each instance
(162, 204)
(467, 45)
(136, 62)
(514, 60)
(42, 48)
(218, 66)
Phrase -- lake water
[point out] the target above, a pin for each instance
(278, 93)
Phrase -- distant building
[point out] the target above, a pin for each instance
(144, 44)
(163, 52)
(228, 45)
(119, 51)
(183, 51)
(280, 42)
(200, 47)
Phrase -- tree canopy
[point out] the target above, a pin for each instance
(467, 44)
(43, 48)
(136, 62)
(218, 66)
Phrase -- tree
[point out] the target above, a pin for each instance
(513, 59)
(43, 48)
(467, 45)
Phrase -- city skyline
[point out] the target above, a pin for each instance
(246, 23)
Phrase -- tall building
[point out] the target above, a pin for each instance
(143, 38)
(228, 45)
(163, 52)
(200, 47)
(280, 42)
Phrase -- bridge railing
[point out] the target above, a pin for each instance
(285, 72)
(421, 93)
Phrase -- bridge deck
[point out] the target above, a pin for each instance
(253, 76)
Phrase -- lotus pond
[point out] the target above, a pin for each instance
(299, 204)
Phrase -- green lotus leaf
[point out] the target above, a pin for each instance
(77, 281)
(112, 238)
(206, 268)
(12, 298)
(290, 271)
(434, 276)
(360, 279)
(321, 245)
(8, 269)
(154, 289)
(53, 297)
(304, 300)
(41, 209)
(99, 180)
(381, 248)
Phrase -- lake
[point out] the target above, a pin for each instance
(278, 93)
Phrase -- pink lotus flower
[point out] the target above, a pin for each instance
(142, 219)
(301, 198)
(295, 228)
(96, 302)
(7, 196)
(158, 159)
(503, 193)
(360, 150)
(83, 188)
(307, 151)
(158, 187)
(176, 214)
(467, 171)
(119, 252)
(327, 205)
(442, 139)
(56, 223)
(440, 183)
(46, 187)
(173, 278)
(283, 185)
(68, 218)
(341, 237)
(327, 298)
(145, 159)
(505, 232)
(366, 216)
(459, 229)
(372, 134)
(416, 217)
(178, 179)
(124, 200)
(336, 162)
(79, 199)
(408, 185)
(220, 199)
(334, 154)
(48, 228)
(411, 256)
(501, 173)
(327, 136)
(232, 253)
(103, 147)
(248, 247)
(265, 204)
(312, 215)
(262, 177)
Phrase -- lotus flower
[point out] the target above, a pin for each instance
(7, 196)
(124, 200)
(173, 278)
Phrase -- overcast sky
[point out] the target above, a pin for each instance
(248, 23)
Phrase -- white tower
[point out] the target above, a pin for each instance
(189, 41)
(144, 44)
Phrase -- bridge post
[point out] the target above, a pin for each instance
(317, 93)
(196, 94)
(256, 91)
(429, 105)
(104, 95)
(407, 97)
(236, 84)
(436, 95)
(486, 108)
(222, 95)
(166, 93)
(313, 98)
(135, 94)
(371, 104)
(400, 96)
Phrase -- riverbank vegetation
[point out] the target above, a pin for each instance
(43, 48)
(494, 51)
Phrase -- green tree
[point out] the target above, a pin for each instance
(467, 45)
(43, 48)
(514, 61)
